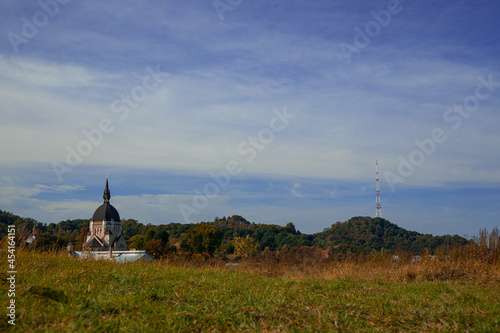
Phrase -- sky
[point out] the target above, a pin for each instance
(273, 110)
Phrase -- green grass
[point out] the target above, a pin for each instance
(59, 294)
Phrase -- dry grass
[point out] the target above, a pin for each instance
(470, 263)
(456, 291)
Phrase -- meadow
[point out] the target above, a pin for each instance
(56, 293)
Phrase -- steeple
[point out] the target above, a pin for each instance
(107, 194)
(105, 227)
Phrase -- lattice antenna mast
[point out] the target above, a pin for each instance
(378, 205)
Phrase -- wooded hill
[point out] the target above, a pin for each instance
(366, 233)
(357, 235)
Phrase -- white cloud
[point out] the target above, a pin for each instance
(174, 129)
(225, 80)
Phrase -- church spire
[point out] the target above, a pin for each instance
(107, 194)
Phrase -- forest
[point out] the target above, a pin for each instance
(234, 236)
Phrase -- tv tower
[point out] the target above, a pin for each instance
(378, 205)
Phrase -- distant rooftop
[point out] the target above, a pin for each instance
(118, 256)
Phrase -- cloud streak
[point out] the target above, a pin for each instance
(225, 78)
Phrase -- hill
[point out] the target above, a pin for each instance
(361, 234)
(357, 235)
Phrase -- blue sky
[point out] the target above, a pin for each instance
(273, 110)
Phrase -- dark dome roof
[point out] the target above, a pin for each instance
(106, 212)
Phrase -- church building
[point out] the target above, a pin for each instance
(105, 229)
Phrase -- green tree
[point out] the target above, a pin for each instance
(245, 246)
(204, 239)
(150, 234)
(161, 233)
(136, 242)
(156, 248)
(290, 227)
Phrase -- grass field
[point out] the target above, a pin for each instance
(55, 293)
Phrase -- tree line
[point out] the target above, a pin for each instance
(234, 236)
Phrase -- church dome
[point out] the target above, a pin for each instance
(106, 212)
